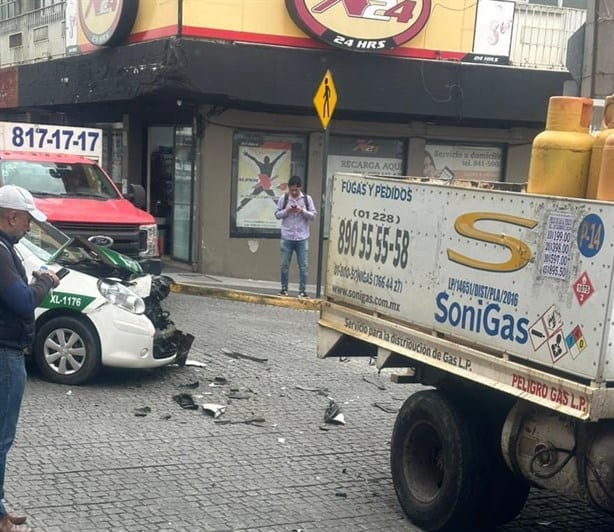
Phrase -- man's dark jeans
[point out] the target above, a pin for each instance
(12, 385)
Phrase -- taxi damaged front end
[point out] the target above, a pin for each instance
(168, 340)
(143, 295)
(122, 302)
(123, 283)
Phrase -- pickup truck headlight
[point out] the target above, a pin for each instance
(120, 295)
(150, 234)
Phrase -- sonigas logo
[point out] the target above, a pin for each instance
(107, 22)
(361, 25)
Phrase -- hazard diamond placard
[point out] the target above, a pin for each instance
(583, 288)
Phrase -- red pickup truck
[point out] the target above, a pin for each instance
(58, 165)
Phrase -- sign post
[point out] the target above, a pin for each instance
(324, 101)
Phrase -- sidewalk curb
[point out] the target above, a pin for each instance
(246, 297)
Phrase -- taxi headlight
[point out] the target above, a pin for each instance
(121, 296)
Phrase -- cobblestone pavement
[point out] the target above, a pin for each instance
(84, 462)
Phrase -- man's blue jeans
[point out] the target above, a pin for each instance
(301, 248)
(12, 385)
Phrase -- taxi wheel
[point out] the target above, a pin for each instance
(66, 350)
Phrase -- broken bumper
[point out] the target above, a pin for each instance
(173, 343)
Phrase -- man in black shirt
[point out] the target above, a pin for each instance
(18, 299)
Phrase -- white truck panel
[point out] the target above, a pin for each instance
(67, 140)
(540, 387)
(524, 276)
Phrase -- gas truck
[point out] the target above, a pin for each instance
(498, 298)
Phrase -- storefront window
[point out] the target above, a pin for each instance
(182, 194)
(456, 161)
(362, 155)
(262, 163)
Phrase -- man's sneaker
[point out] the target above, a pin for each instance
(7, 526)
(17, 519)
(283, 292)
(302, 295)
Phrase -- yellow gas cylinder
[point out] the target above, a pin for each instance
(601, 173)
(605, 188)
(560, 155)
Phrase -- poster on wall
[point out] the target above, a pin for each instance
(452, 161)
(493, 31)
(262, 165)
(362, 155)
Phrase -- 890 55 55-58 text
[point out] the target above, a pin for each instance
(366, 240)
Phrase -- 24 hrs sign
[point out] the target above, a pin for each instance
(361, 25)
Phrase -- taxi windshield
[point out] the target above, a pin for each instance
(50, 244)
(57, 179)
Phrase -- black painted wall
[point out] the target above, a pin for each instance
(153, 75)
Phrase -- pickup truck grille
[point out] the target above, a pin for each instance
(127, 238)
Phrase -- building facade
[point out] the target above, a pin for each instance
(210, 104)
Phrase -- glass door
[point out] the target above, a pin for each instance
(183, 195)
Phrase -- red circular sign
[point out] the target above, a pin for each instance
(107, 22)
(361, 25)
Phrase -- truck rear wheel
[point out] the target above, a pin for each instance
(438, 462)
(66, 350)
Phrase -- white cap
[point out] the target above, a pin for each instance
(19, 199)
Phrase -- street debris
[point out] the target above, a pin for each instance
(185, 401)
(218, 381)
(319, 391)
(192, 385)
(375, 382)
(237, 355)
(236, 393)
(195, 363)
(142, 411)
(250, 421)
(333, 414)
(213, 409)
(386, 407)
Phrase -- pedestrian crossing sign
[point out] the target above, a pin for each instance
(325, 99)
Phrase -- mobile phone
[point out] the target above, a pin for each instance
(62, 272)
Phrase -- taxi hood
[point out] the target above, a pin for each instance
(102, 261)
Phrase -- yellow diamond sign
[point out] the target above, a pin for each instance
(325, 99)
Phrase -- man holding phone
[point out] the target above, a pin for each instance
(295, 210)
(18, 299)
